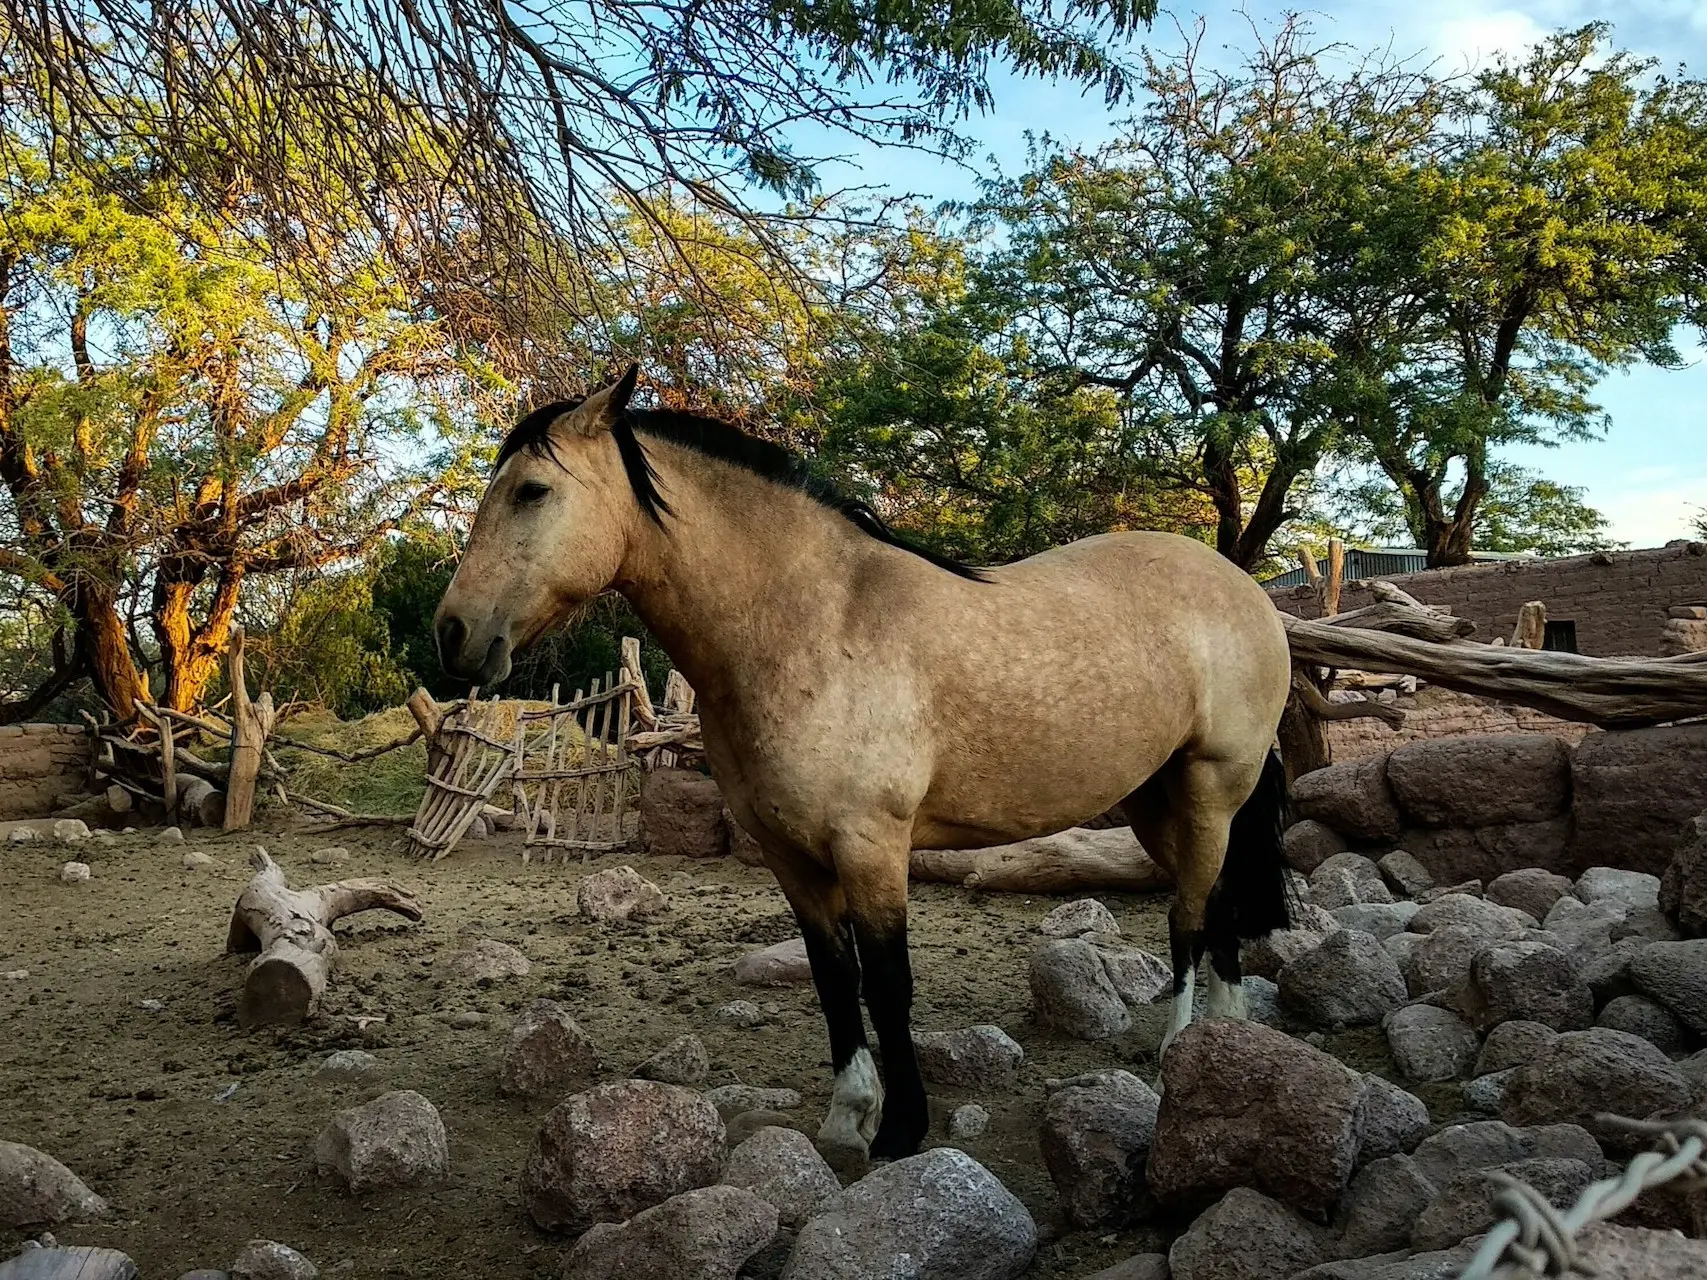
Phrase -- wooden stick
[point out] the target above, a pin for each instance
(251, 722)
(1328, 709)
(168, 769)
(1336, 577)
(633, 674)
(1071, 862)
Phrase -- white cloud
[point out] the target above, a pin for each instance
(1472, 40)
(1653, 516)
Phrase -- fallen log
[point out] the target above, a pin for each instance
(292, 929)
(1073, 861)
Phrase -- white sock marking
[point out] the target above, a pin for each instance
(856, 1105)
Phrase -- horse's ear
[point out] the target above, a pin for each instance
(604, 408)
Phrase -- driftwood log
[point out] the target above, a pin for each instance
(292, 929)
(1074, 861)
(251, 722)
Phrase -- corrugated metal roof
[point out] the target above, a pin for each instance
(1385, 562)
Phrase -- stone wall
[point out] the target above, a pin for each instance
(1477, 807)
(1619, 601)
(39, 763)
(1440, 713)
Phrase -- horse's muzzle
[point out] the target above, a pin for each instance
(484, 667)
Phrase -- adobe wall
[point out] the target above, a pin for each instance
(1435, 713)
(1618, 599)
(39, 763)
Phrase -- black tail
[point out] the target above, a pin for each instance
(1253, 895)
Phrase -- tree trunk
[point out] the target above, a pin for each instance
(104, 647)
(191, 654)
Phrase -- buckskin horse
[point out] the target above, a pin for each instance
(860, 697)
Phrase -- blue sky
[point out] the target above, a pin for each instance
(1649, 473)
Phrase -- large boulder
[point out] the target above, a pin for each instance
(1675, 974)
(1481, 781)
(1347, 878)
(783, 1168)
(397, 1140)
(1245, 1236)
(37, 1190)
(1465, 1205)
(1683, 888)
(1635, 792)
(981, 1056)
(705, 1234)
(1531, 890)
(1482, 1144)
(1310, 843)
(1071, 919)
(1266, 956)
(1382, 1205)
(1348, 981)
(939, 1215)
(607, 1154)
(1353, 798)
(1479, 915)
(1513, 1043)
(1072, 993)
(1095, 1137)
(1528, 979)
(1394, 1121)
(1456, 854)
(681, 814)
(1646, 1018)
(1431, 1045)
(1382, 920)
(1585, 1073)
(546, 1052)
(1637, 890)
(1245, 1105)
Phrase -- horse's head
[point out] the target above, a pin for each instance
(550, 534)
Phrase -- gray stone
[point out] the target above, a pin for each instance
(1141, 1266)
(74, 872)
(1381, 1206)
(783, 965)
(1585, 928)
(1071, 919)
(1465, 1205)
(1643, 1017)
(940, 1215)
(743, 1013)
(1431, 1045)
(1528, 980)
(1649, 924)
(397, 1140)
(486, 960)
(732, 1099)
(37, 1190)
(195, 861)
(330, 856)
(1310, 843)
(1442, 960)
(1348, 981)
(968, 1122)
(1394, 1121)
(1265, 957)
(1683, 888)
(619, 893)
(1585, 1073)
(1513, 1043)
(1245, 1236)
(1263, 1000)
(1481, 780)
(1634, 889)
(1404, 874)
(1627, 1253)
(1531, 890)
(270, 1260)
(1675, 974)
(46, 1260)
(1345, 879)
(1071, 991)
(1482, 1144)
(1136, 976)
(705, 1234)
(607, 1154)
(1479, 915)
(546, 1052)
(1382, 920)
(1353, 798)
(1608, 974)
(1484, 1095)
(981, 1056)
(1463, 889)
(1401, 946)
(682, 1061)
(348, 1064)
(745, 1124)
(1445, 1264)
(1634, 792)
(782, 1167)
(1095, 1137)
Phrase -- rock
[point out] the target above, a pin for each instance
(1431, 1045)
(546, 1052)
(397, 1140)
(1530, 890)
(1480, 781)
(1584, 928)
(1401, 946)
(1245, 1236)
(1675, 974)
(1348, 981)
(1482, 854)
(743, 1013)
(1263, 999)
(1142, 1266)
(1529, 980)
(1071, 919)
(1642, 1017)
(981, 1056)
(1484, 1143)
(1480, 916)
(1467, 889)
(705, 1234)
(1634, 792)
(1353, 798)
(607, 1154)
(1513, 1043)
(37, 1190)
(194, 861)
(1095, 1137)
(74, 872)
(619, 893)
(1584, 1073)
(1625, 1253)
(486, 960)
(71, 830)
(1394, 1121)
(329, 857)
(1347, 878)
(1310, 843)
(742, 847)
(1608, 974)
(1465, 1205)
(1405, 874)
(1381, 1206)
(1381, 920)
(1484, 1095)
(169, 835)
(1683, 888)
(783, 1168)
(348, 1064)
(466, 1019)
(682, 1061)
(745, 1124)
(47, 1260)
(1436, 1265)
(270, 1260)
(1441, 961)
(1650, 924)
(1136, 976)
(782, 965)
(1245, 1105)
(967, 1122)
(732, 1099)
(681, 815)
(1071, 991)
(1635, 889)
(1265, 957)
(939, 1214)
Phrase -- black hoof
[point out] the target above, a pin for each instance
(896, 1142)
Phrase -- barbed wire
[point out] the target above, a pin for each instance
(1534, 1239)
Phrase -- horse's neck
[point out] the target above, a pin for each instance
(738, 576)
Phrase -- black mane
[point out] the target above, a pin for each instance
(724, 442)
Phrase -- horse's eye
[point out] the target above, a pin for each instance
(531, 492)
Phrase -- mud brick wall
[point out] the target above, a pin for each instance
(39, 763)
(1619, 600)
(1440, 713)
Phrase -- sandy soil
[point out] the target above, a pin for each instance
(203, 1136)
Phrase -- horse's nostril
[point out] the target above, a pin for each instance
(452, 633)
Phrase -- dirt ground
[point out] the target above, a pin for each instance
(202, 1135)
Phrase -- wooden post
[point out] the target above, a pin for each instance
(1336, 577)
(1531, 629)
(632, 672)
(431, 720)
(251, 722)
(168, 766)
